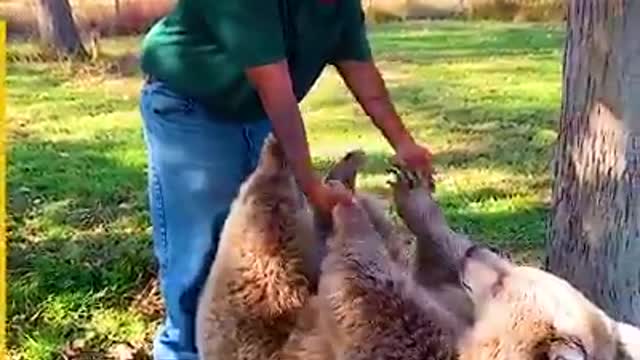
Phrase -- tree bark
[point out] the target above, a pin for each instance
(117, 11)
(57, 28)
(594, 237)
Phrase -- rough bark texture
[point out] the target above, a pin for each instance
(57, 28)
(594, 239)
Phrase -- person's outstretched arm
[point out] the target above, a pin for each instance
(256, 44)
(368, 87)
(274, 87)
(354, 61)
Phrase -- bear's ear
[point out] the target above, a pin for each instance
(346, 169)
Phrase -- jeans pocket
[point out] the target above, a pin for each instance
(165, 102)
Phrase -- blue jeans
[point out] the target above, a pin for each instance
(196, 164)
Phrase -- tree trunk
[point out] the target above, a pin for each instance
(116, 18)
(58, 31)
(594, 239)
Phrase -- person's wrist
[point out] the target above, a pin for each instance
(312, 187)
(400, 138)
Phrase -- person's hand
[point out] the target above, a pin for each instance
(325, 197)
(416, 158)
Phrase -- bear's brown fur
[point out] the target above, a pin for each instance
(372, 308)
(518, 312)
(346, 172)
(261, 276)
(437, 248)
(316, 338)
(308, 340)
(258, 290)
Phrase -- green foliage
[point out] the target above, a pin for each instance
(483, 96)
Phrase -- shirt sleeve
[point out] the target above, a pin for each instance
(250, 30)
(354, 44)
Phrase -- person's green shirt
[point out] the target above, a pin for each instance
(202, 48)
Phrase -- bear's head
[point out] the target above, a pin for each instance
(530, 314)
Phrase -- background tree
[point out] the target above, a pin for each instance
(57, 28)
(594, 239)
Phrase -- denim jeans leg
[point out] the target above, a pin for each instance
(196, 166)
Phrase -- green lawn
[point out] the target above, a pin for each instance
(483, 96)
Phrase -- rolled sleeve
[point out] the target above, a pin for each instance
(250, 30)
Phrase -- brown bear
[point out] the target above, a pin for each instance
(518, 312)
(371, 307)
(309, 340)
(312, 338)
(437, 248)
(261, 276)
(346, 171)
(267, 264)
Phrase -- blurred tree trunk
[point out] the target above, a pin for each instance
(594, 239)
(58, 31)
(117, 10)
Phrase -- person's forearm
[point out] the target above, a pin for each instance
(280, 104)
(288, 128)
(384, 116)
(368, 87)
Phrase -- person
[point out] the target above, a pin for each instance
(220, 76)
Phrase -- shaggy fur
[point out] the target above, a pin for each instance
(374, 310)
(345, 172)
(257, 297)
(309, 341)
(263, 273)
(518, 312)
(311, 337)
(438, 248)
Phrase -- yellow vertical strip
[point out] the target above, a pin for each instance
(3, 193)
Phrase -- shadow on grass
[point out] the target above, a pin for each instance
(515, 139)
(78, 240)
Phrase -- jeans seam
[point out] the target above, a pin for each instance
(250, 146)
(159, 208)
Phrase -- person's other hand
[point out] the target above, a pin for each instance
(325, 197)
(414, 156)
(417, 158)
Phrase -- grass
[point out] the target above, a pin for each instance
(483, 96)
